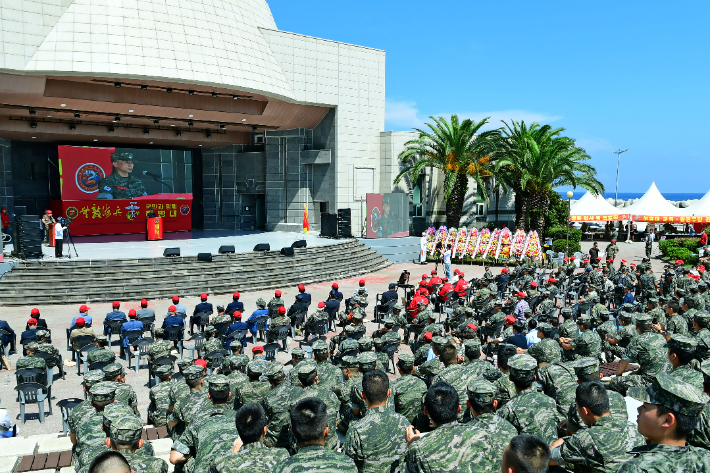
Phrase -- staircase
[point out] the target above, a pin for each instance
(79, 282)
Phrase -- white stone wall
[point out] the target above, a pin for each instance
(391, 145)
(351, 79)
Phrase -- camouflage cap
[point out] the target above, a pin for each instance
(388, 322)
(585, 366)
(522, 365)
(350, 329)
(236, 344)
(210, 329)
(104, 338)
(652, 300)
(681, 292)
(319, 346)
(298, 353)
(430, 368)
(261, 303)
(367, 360)
(102, 393)
(497, 303)
(643, 319)
(114, 412)
(126, 429)
(627, 307)
(566, 311)
(481, 391)
(306, 369)
(276, 371)
(358, 315)
(398, 307)
(702, 284)
(258, 366)
(112, 370)
(32, 346)
(472, 344)
(702, 317)
(349, 362)
(627, 316)
(163, 370)
(673, 393)
(42, 333)
(185, 362)
(438, 342)
(238, 361)
(122, 156)
(92, 377)
(379, 342)
(527, 312)
(584, 319)
(405, 360)
(193, 372)
(544, 328)
(365, 343)
(682, 342)
(218, 382)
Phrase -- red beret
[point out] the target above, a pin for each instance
(144, 303)
(80, 321)
(533, 284)
(132, 313)
(504, 270)
(277, 293)
(237, 314)
(623, 261)
(176, 299)
(32, 321)
(282, 310)
(321, 305)
(334, 285)
(701, 268)
(362, 282)
(428, 336)
(461, 274)
(510, 319)
(301, 287)
(116, 304)
(521, 294)
(257, 349)
(201, 362)
(472, 326)
(571, 257)
(613, 241)
(172, 308)
(35, 311)
(236, 294)
(679, 261)
(551, 280)
(203, 296)
(84, 308)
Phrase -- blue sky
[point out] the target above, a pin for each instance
(614, 74)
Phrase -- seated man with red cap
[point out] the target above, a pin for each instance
(532, 290)
(261, 311)
(144, 313)
(275, 302)
(311, 324)
(202, 307)
(132, 324)
(31, 333)
(8, 338)
(461, 286)
(306, 297)
(115, 315)
(502, 280)
(338, 294)
(173, 319)
(235, 305)
(280, 320)
(80, 330)
(237, 325)
(84, 313)
(434, 278)
(361, 291)
(41, 323)
(179, 308)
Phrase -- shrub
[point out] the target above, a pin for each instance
(560, 246)
(560, 233)
(666, 245)
(691, 244)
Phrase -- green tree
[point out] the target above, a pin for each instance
(458, 150)
(533, 160)
(558, 213)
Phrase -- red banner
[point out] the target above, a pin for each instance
(81, 169)
(598, 218)
(114, 217)
(654, 219)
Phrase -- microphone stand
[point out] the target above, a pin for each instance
(155, 178)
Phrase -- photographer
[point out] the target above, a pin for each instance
(58, 238)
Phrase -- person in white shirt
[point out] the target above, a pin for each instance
(422, 249)
(58, 239)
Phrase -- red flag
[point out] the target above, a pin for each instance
(306, 228)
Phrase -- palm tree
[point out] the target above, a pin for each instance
(533, 161)
(459, 151)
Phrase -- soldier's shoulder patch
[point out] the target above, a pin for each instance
(107, 188)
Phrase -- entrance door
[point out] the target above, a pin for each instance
(260, 212)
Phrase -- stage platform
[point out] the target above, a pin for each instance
(396, 250)
(103, 247)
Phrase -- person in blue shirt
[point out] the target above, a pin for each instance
(532, 337)
(235, 305)
(502, 280)
(84, 313)
(628, 296)
(115, 315)
(306, 297)
(259, 312)
(132, 324)
(389, 295)
(335, 288)
(179, 309)
(203, 306)
(238, 325)
(173, 319)
(518, 339)
(332, 305)
(8, 339)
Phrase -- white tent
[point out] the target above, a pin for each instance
(700, 209)
(593, 208)
(653, 207)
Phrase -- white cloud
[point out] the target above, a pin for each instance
(594, 144)
(406, 115)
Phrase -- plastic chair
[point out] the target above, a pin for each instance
(33, 393)
(261, 325)
(175, 334)
(237, 335)
(221, 329)
(391, 350)
(83, 342)
(148, 325)
(332, 316)
(321, 329)
(114, 328)
(68, 337)
(199, 340)
(66, 405)
(296, 321)
(382, 311)
(215, 358)
(133, 336)
(204, 319)
(270, 350)
(139, 350)
(163, 360)
(50, 371)
(274, 310)
(283, 335)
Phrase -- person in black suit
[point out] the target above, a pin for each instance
(235, 305)
(41, 323)
(298, 306)
(8, 339)
(389, 295)
(338, 294)
(305, 296)
(203, 306)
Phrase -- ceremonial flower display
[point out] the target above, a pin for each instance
(533, 250)
(506, 241)
(472, 241)
(430, 239)
(451, 238)
(460, 245)
(483, 242)
(518, 244)
(493, 244)
(440, 237)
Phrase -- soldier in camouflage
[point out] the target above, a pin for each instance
(102, 354)
(349, 369)
(89, 433)
(55, 359)
(210, 437)
(700, 437)
(681, 356)
(188, 400)
(276, 405)
(676, 323)
(455, 374)
(160, 397)
(475, 365)
(33, 362)
(369, 441)
(530, 411)
(648, 350)
(506, 388)
(297, 356)
(308, 378)
(701, 322)
(275, 302)
(546, 350)
(211, 344)
(664, 450)
(313, 320)
(255, 389)
(604, 445)
(160, 347)
(328, 374)
(616, 344)
(120, 184)
(407, 391)
(587, 342)
(179, 387)
(83, 411)
(558, 381)
(280, 320)
(115, 375)
(251, 453)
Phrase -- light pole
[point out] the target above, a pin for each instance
(618, 161)
(569, 212)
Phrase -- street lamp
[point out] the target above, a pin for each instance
(569, 212)
(618, 161)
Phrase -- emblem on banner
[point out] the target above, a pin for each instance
(72, 212)
(88, 176)
(375, 219)
(133, 211)
(184, 209)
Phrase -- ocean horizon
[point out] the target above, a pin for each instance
(674, 196)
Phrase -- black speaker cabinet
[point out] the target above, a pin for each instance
(299, 244)
(226, 249)
(329, 225)
(170, 252)
(287, 251)
(262, 247)
(206, 257)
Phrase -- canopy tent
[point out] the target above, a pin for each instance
(593, 208)
(699, 212)
(653, 207)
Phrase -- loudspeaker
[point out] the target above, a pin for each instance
(344, 214)
(329, 225)
(287, 251)
(206, 257)
(324, 207)
(170, 252)
(226, 249)
(298, 244)
(262, 247)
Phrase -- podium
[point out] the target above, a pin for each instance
(154, 228)
(50, 236)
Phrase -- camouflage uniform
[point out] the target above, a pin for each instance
(530, 412)
(617, 408)
(253, 391)
(690, 373)
(56, 358)
(546, 351)
(252, 457)
(276, 404)
(506, 390)
(624, 335)
(191, 407)
(343, 390)
(677, 324)
(209, 438)
(457, 376)
(408, 391)
(160, 399)
(210, 345)
(124, 392)
(276, 322)
(316, 390)
(558, 381)
(702, 352)
(316, 458)
(102, 355)
(430, 369)
(33, 362)
(449, 447)
(310, 324)
(421, 354)
(600, 448)
(159, 349)
(328, 375)
(115, 186)
(372, 442)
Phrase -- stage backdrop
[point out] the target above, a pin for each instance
(102, 204)
(388, 215)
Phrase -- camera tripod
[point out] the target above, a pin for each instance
(70, 241)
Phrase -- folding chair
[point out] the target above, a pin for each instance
(137, 351)
(283, 336)
(148, 325)
(199, 339)
(270, 350)
(65, 406)
(175, 334)
(221, 329)
(133, 336)
(163, 360)
(204, 320)
(391, 350)
(86, 343)
(215, 358)
(114, 328)
(296, 321)
(274, 310)
(261, 325)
